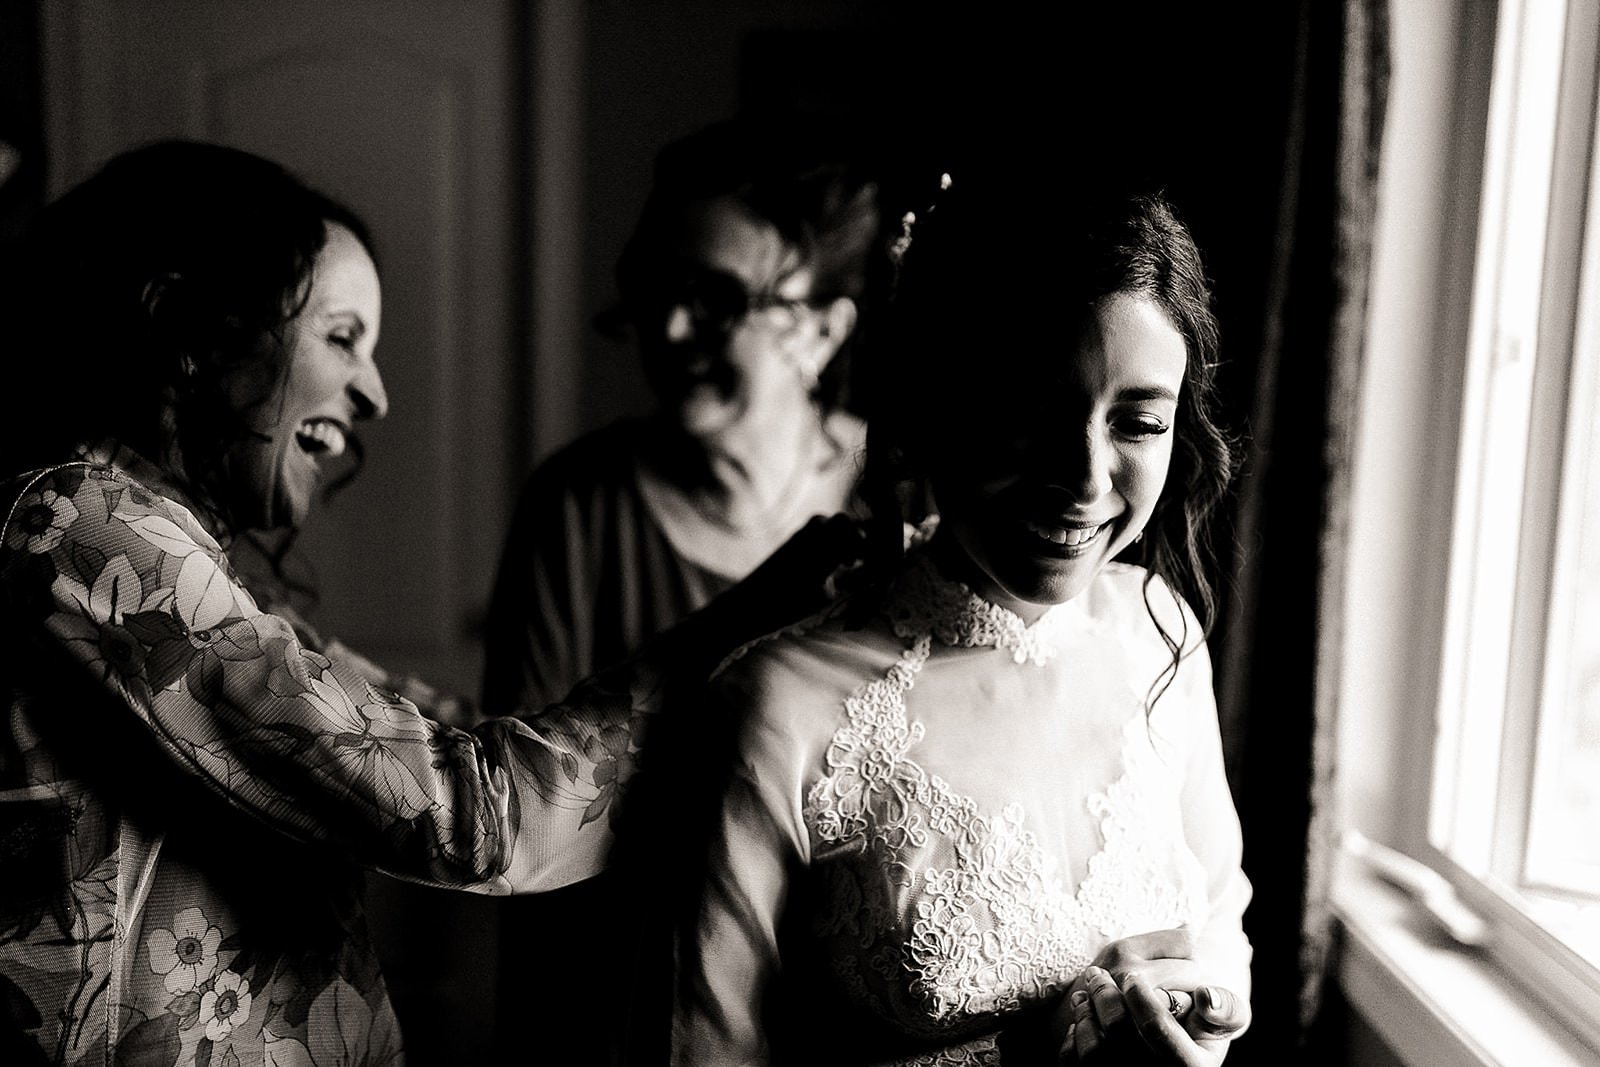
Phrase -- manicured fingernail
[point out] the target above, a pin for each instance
(1079, 998)
(1206, 997)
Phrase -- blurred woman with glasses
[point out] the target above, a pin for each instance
(740, 285)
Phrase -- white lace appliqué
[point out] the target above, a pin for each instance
(924, 603)
(983, 924)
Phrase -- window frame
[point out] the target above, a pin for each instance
(1535, 305)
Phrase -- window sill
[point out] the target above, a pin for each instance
(1433, 1002)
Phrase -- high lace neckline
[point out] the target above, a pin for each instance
(924, 602)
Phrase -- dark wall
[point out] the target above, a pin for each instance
(21, 123)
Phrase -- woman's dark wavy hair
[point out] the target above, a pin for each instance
(800, 173)
(140, 290)
(993, 287)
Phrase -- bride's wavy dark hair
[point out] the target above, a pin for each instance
(139, 291)
(993, 284)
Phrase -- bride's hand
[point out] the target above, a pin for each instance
(1135, 1024)
(1165, 957)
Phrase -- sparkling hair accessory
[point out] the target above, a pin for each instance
(898, 248)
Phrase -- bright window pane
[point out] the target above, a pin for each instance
(1563, 857)
(1563, 843)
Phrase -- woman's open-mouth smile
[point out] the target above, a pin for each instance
(322, 437)
(1066, 540)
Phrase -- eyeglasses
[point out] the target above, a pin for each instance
(714, 299)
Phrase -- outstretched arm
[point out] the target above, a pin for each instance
(111, 584)
(122, 587)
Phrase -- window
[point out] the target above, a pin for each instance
(1514, 808)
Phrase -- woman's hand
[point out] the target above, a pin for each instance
(1104, 1022)
(1165, 957)
(1135, 1022)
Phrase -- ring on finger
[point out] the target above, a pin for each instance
(1172, 1002)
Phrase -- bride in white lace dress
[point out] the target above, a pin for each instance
(961, 795)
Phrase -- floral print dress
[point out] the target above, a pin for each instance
(189, 791)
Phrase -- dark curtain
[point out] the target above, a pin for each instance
(1278, 642)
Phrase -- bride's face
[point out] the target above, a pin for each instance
(1068, 478)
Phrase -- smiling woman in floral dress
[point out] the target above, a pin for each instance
(190, 784)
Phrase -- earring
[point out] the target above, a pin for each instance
(1138, 537)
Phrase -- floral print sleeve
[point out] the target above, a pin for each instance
(189, 785)
(129, 586)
